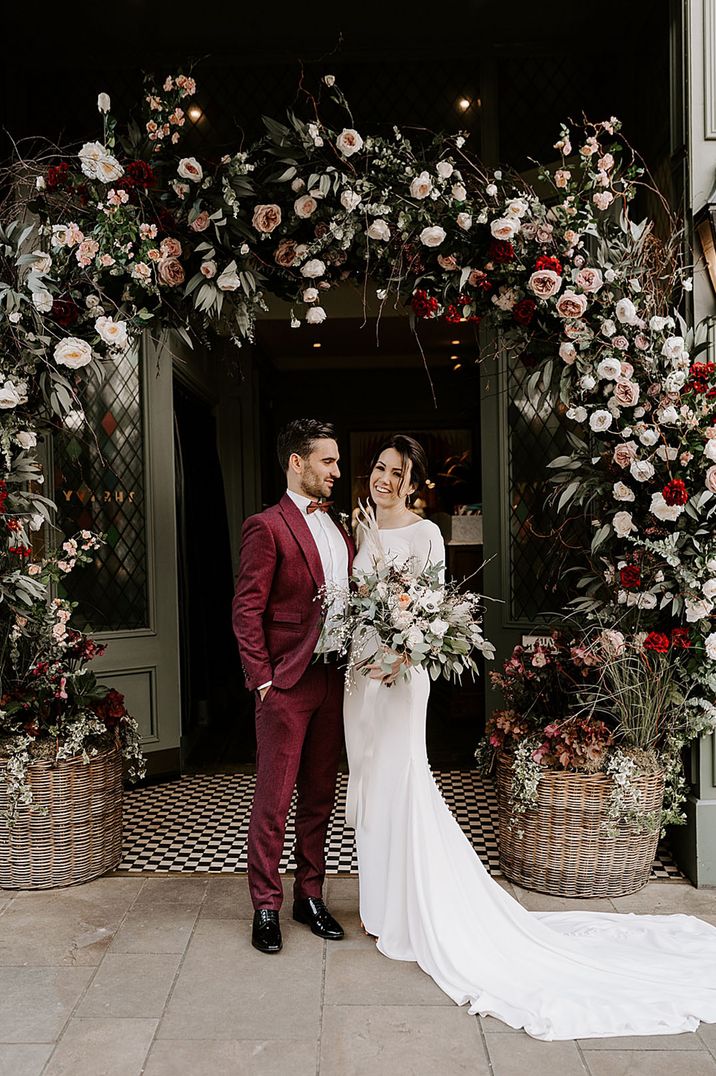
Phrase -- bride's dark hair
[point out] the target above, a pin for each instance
(411, 453)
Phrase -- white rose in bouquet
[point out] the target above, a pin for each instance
(350, 200)
(505, 228)
(708, 589)
(698, 609)
(112, 332)
(626, 312)
(674, 349)
(313, 268)
(622, 492)
(464, 221)
(26, 439)
(109, 169)
(458, 192)
(710, 450)
(667, 513)
(623, 524)
(315, 315)
(90, 156)
(609, 369)
(349, 142)
(379, 229)
(421, 186)
(600, 420)
(710, 646)
(229, 279)
(432, 236)
(103, 102)
(9, 396)
(189, 168)
(641, 470)
(305, 206)
(42, 263)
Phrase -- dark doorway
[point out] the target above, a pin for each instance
(212, 696)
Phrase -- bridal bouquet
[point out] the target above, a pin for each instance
(400, 615)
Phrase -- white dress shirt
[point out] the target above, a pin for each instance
(333, 551)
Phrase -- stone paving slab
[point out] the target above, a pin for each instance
(156, 975)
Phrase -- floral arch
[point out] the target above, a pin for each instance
(129, 235)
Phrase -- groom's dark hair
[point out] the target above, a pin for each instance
(299, 436)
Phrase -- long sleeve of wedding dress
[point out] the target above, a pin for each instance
(426, 897)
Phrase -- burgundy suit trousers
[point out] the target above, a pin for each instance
(299, 738)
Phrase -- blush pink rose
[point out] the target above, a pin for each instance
(589, 279)
(266, 218)
(625, 454)
(545, 283)
(171, 272)
(200, 222)
(626, 393)
(571, 305)
(711, 479)
(170, 248)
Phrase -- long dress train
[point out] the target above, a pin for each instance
(426, 897)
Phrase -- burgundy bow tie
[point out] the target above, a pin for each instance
(318, 506)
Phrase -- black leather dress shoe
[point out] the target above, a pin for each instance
(266, 933)
(314, 913)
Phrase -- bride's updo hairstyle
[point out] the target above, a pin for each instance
(415, 462)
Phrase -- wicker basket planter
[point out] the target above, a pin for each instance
(560, 846)
(73, 830)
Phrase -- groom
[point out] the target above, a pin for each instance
(287, 553)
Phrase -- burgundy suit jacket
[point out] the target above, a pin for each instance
(276, 614)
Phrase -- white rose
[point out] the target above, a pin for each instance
(315, 315)
(710, 450)
(698, 610)
(350, 200)
(349, 142)
(313, 268)
(675, 381)
(567, 353)
(108, 169)
(72, 352)
(9, 396)
(458, 192)
(710, 646)
(609, 369)
(674, 349)
(42, 263)
(657, 324)
(505, 228)
(600, 421)
(26, 439)
(90, 156)
(623, 524)
(587, 382)
(189, 168)
(42, 300)
(464, 221)
(310, 295)
(379, 229)
(663, 511)
(669, 416)
(445, 169)
(229, 279)
(297, 184)
(421, 186)
(439, 627)
(626, 312)
(621, 492)
(641, 470)
(304, 206)
(491, 190)
(112, 332)
(709, 589)
(665, 453)
(649, 436)
(103, 102)
(577, 414)
(516, 208)
(432, 236)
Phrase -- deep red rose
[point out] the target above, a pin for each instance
(700, 369)
(681, 638)
(424, 305)
(452, 314)
(545, 261)
(656, 640)
(675, 492)
(140, 174)
(65, 312)
(524, 311)
(57, 176)
(630, 576)
(697, 384)
(111, 708)
(501, 251)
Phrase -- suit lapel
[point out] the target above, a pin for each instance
(302, 533)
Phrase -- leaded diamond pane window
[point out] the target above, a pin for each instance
(99, 486)
(542, 548)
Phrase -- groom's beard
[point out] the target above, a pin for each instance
(312, 485)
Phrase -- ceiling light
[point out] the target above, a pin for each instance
(316, 345)
(195, 113)
(462, 104)
(454, 343)
(457, 366)
(454, 358)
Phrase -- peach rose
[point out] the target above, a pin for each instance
(589, 279)
(626, 393)
(571, 305)
(170, 248)
(545, 283)
(285, 253)
(447, 261)
(266, 218)
(305, 206)
(171, 272)
(200, 222)
(625, 454)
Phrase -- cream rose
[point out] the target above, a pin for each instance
(72, 352)
(641, 470)
(108, 169)
(266, 218)
(305, 206)
(315, 315)
(379, 229)
(42, 300)
(567, 352)
(710, 646)
(9, 396)
(545, 283)
(710, 450)
(189, 168)
(623, 524)
(599, 421)
(621, 492)
(42, 263)
(349, 142)
(90, 155)
(626, 313)
(609, 369)
(208, 269)
(505, 228)
(26, 439)
(350, 200)
(112, 332)
(710, 479)
(313, 268)
(445, 169)
(571, 305)
(432, 236)
(421, 186)
(228, 279)
(464, 221)
(458, 192)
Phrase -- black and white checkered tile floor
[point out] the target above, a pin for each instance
(200, 823)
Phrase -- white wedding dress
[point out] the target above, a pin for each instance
(426, 897)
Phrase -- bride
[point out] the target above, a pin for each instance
(424, 893)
